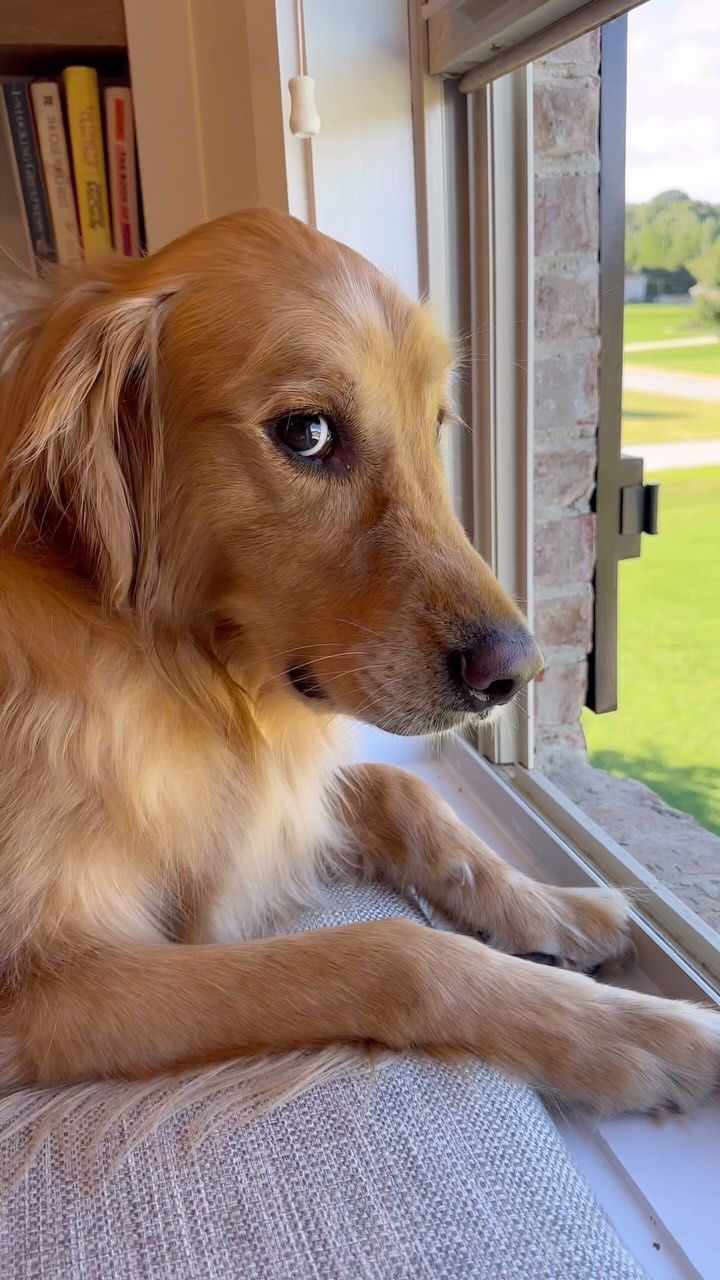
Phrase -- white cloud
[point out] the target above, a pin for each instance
(689, 62)
(673, 134)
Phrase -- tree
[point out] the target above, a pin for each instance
(706, 294)
(669, 232)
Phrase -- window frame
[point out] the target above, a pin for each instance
(482, 40)
(625, 507)
(602, 659)
(502, 249)
(493, 512)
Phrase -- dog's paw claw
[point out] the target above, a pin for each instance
(540, 957)
(584, 930)
(603, 969)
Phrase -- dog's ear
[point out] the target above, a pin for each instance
(81, 432)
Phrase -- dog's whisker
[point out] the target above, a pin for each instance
(359, 626)
(334, 675)
(315, 661)
(291, 652)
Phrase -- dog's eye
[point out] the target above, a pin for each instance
(309, 435)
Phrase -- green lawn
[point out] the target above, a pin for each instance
(680, 359)
(667, 731)
(654, 322)
(662, 419)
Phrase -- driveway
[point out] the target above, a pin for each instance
(671, 344)
(685, 386)
(678, 455)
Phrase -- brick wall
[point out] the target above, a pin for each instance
(566, 106)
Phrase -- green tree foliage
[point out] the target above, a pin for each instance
(675, 241)
(706, 267)
(670, 232)
(706, 297)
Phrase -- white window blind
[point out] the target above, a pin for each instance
(481, 40)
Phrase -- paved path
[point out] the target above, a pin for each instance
(684, 386)
(678, 455)
(669, 344)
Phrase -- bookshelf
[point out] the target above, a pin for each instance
(67, 158)
(206, 86)
(31, 28)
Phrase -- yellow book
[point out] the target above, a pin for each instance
(86, 143)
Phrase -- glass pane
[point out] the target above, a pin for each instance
(666, 732)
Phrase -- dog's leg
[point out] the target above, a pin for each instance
(140, 1009)
(402, 832)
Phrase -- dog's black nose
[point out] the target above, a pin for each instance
(498, 664)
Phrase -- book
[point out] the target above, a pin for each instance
(50, 129)
(86, 143)
(120, 139)
(17, 259)
(27, 157)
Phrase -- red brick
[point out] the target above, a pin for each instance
(549, 737)
(584, 51)
(566, 213)
(564, 477)
(566, 117)
(566, 302)
(566, 386)
(565, 551)
(560, 695)
(565, 621)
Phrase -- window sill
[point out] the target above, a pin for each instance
(674, 848)
(656, 1180)
(685, 933)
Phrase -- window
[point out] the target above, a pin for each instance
(667, 728)
(650, 618)
(541, 292)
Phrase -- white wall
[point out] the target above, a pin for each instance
(362, 159)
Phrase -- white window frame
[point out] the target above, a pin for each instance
(488, 294)
(492, 482)
(501, 217)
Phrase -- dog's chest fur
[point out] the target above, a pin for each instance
(246, 834)
(148, 824)
(283, 835)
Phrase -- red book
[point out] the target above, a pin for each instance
(120, 136)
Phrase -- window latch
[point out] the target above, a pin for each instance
(639, 504)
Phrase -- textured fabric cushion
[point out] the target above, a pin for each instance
(416, 1170)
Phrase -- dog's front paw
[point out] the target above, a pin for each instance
(658, 1056)
(583, 929)
(592, 930)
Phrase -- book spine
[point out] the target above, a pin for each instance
(50, 129)
(17, 105)
(16, 251)
(86, 143)
(121, 165)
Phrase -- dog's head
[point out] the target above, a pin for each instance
(236, 440)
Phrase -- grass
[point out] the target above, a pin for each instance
(703, 360)
(667, 731)
(663, 420)
(654, 322)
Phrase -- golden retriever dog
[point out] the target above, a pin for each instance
(224, 528)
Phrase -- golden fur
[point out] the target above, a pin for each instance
(166, 793)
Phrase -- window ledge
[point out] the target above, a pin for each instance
(656, 1181)
(682, 854)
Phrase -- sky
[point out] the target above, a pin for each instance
(673, 106)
